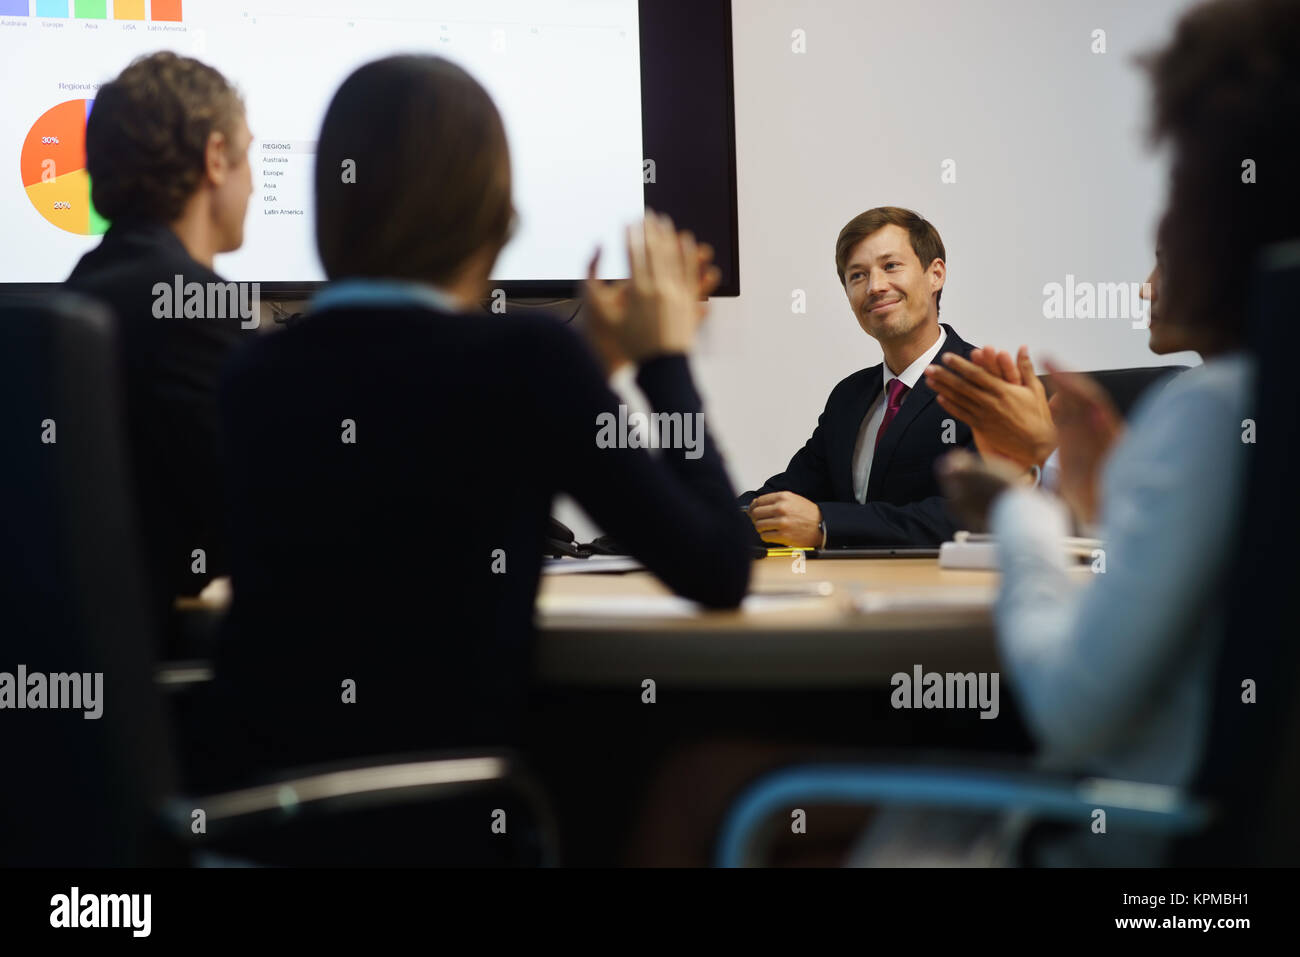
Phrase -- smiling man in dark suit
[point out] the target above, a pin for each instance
(866, 477)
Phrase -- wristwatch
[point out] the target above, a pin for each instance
(821, 527)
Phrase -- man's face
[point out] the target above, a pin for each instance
(234, 187)
(890, 290)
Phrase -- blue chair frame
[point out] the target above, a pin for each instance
(1038, 795)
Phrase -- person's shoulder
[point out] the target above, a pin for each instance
(468, 321)
(953, 342)
(1197, 415)
(1223, 383)
(418, 330)
(93, 275)
(86, 266)
(141, 249)
(151, 275)
(541, 323)
(541, 334)
(528, 335)
(854, 383)
(1186, 450)
(1229, 375)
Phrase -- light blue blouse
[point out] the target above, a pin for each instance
(1113, 672)
(352, 293)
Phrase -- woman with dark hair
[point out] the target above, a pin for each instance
(393, 458)
(1114, 674)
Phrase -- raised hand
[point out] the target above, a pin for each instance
(1001, 399)
(658, 310)
(1089, 426)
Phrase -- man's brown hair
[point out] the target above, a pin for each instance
(1226, 90)
(147, 135)
(412, 172)
(924, 237)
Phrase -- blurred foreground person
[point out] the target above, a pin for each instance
(383, 596)
(167, 153)
(1114, 674)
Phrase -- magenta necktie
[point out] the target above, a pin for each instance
(897, 389)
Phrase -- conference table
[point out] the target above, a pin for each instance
(837, 622)
(801, 670)
(805, 663)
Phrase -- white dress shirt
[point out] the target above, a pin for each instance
(865, 449)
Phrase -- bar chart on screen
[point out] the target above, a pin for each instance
(169, 11)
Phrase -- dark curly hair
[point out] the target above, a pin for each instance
(147, 135)
(1226, 90)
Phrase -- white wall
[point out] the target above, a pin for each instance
(1053, 177)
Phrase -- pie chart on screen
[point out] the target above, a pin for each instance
(54, 169)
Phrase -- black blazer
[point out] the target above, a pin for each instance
(408, 559)
(170, 369)
(904, 505)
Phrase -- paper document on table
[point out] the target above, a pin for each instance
(944, 598)
(968, 550)
(660, 606)
(592, 565)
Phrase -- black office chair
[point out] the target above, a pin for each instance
(1252, 766)
(1241, 807)
(1126, 386)
(446, 809)
(72, 599)
(102, 792)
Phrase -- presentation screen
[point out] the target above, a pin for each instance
(565, 74)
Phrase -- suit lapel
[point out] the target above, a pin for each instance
(916, 401)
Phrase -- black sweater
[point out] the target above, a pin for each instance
(381, 560)
(170, 368)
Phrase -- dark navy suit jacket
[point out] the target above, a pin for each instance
(169, 371)
(904, 505)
